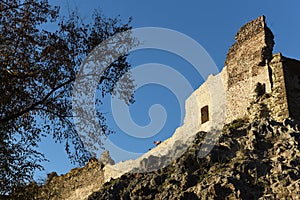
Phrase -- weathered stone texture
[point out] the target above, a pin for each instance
(253, 47)
(106, 159)
(291, 70)
(278, 101)
(250, 62)
(77, 184)
(246, 64)
(258, 160)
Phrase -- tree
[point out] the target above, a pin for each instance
(37, 72)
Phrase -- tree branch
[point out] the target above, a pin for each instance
(34, 105)
(43, 100)
(54, 113)
(13, 7)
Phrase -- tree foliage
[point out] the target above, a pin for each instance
(37, 72)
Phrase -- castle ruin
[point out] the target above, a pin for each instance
(256, 82)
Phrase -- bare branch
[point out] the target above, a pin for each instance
(34, 105)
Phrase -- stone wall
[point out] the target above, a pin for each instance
(79, 183)
(278, 100)
(291, 69)
(253, 47)
(246, 64)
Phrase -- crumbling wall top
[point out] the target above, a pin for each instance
(250, 29)
(253, 48)
(255, 31)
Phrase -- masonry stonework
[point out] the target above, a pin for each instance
(246, 65)
(291, 69)
(250, 64)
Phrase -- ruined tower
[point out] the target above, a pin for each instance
(250, 64)
(246, 65)
(256, 82)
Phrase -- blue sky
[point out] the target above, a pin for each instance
(212, 24)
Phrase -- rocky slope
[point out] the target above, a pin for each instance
(252, 160)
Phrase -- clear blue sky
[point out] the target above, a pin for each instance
(212, 24)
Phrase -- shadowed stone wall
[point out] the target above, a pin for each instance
(291, 70)
(278, 101)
